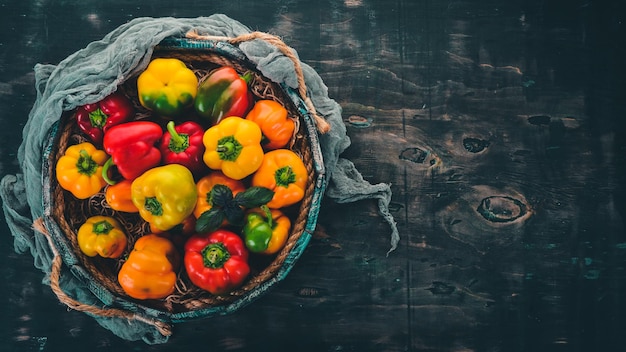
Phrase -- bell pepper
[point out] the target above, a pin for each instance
(179, 233)
(216, 262)
(95, 119)
(102, 235)
(167, 87)
(79, 170)
(187, 227)
(205, 186)
(118, 197)
(226, 208)
(283, 172)
(223, 93)
(151, 268)
(165, 195)
(131, 146)
(183, 145)
(276, 126)
(266, 230)
(233, 146)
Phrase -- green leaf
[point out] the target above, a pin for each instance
(234, 214)
(254, 197)
(221, 195)
(210, 220)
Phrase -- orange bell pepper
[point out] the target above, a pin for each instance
(226, 209)
(151, 268)
(79, 170)
(206, 184)
(283, 172)
(118, 196)
(275, 124)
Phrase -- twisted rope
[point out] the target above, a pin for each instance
(322, 125)
(38, 225)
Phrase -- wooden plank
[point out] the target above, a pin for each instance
(473, 111)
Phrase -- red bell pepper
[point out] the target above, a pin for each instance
(132, 147)
(95, 119)
(217, 261)
(222, 94)
(183, 145)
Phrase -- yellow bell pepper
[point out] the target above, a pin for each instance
(233, 146)
(79, 170)
(102, 235)
(167, 87)
(151, 267)
(165, 195)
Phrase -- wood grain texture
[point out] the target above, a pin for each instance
(498, 125)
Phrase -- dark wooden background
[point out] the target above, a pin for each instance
(500, 127)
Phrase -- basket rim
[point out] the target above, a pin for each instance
(109, 298)
(235, 53)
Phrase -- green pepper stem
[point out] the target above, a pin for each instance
(83, 160)
(179, 142)
(98, 118)
(215, 255)
(228, 148)
(268, 215)
(102, 227)
(225, 148)
(247, 77)
(85, 163)
(285, 176)
(153, 205)
(105, 172)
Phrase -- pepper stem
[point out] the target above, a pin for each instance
(225, 148)
(228, 148)
(102, 227)
(105, 172)
(215, 255)
(284, 176)
(268, 215)
(247, 77)
(179, 142)
(153, 205)
(98, 118)
(85, 164)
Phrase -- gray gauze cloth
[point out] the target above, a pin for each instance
(94, 72)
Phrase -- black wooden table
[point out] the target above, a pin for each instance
(500, 126)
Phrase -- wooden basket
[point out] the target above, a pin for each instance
(64, 213)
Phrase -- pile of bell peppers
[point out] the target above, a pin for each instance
(209, 170)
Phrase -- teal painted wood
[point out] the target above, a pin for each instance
(111, 300)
